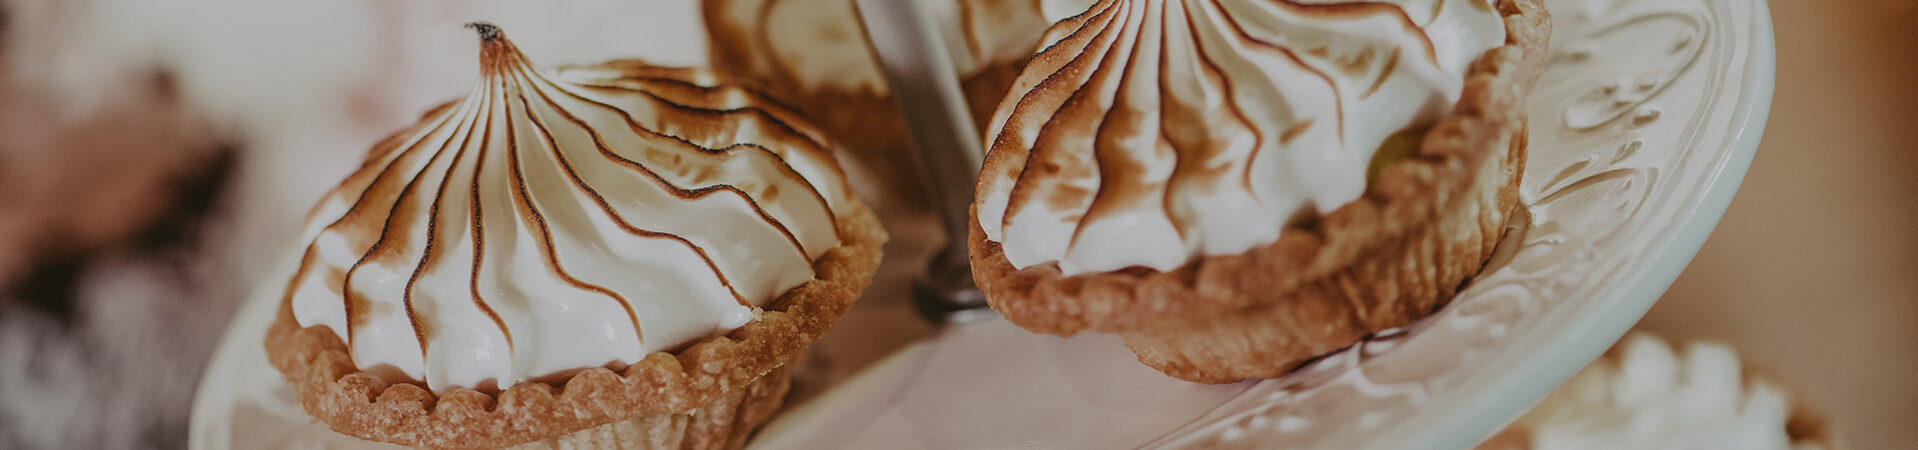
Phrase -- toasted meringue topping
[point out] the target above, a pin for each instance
(1150, 132)
(820, 43)
(558, 221)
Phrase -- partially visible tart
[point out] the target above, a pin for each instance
(1237, 187)
(615, 255)
(814, 56)
(1650, 394)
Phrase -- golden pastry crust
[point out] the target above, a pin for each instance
(723, 424)
(1393, 256)
(1395, 284)
(662, 385)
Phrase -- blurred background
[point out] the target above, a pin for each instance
(137, 206)
(1813, 274)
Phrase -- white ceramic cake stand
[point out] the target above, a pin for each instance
(1642, 128)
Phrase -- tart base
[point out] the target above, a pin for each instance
(724, 423)
(704, 376)
(1399, 283)
(1395, 255)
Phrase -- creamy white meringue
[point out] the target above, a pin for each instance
(555, 222)
(819, 43)
(1650, 395)
(1151, 132)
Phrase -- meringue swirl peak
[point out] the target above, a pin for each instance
(555, 221)
(1152, 132)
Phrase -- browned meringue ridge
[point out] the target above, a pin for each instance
(686, 136)
(1188, 127)
(1423, 225)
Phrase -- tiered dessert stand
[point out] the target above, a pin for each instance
(1642, 127)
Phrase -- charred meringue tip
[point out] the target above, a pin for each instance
(495, 49)
(487, 31)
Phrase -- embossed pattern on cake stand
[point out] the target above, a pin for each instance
(1643, 123)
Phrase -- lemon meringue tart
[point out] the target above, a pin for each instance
(614, 255)
(815, 56)
(1236, 187)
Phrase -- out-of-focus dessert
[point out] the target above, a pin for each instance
(1647, 393)
(615, 255)
(83, 179)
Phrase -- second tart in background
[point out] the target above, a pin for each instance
(814, 56)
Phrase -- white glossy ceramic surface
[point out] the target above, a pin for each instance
(1642, 128)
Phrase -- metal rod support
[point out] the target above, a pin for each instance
(921, 77)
